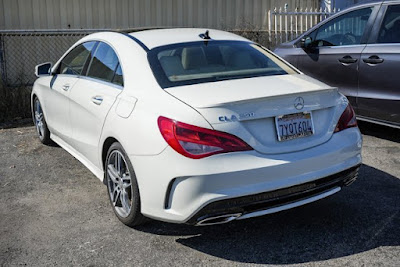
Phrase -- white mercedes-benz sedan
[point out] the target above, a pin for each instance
(196, 126)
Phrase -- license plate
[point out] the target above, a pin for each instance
(294, 126)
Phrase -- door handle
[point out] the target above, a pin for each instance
(65, 87)
(373, 60)
(347, 60)
(97, 100)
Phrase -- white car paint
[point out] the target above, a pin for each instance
(129, 114)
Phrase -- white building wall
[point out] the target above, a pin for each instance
(122, 14)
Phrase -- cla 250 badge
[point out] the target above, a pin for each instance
(233, 118)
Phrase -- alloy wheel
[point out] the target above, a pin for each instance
(119, 183)
(39, 118)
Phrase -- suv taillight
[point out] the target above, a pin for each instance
(347, 120)
(196, 142)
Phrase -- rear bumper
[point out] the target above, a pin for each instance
(274, 201)
(182, 190)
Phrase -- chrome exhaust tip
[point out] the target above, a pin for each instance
(351, 180)
(218, 219)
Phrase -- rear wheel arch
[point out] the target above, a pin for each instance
(106, 145)
(34, 96)
(122, 187)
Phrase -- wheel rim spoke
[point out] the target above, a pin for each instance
(112, 173)
(126, 179)
(39, 118)
(118, 163)
(117, 194)
(126, 185)
(124, 201)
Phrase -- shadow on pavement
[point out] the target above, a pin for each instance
(361, 217)
(380, 131)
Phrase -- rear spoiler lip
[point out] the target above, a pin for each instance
(222, 104)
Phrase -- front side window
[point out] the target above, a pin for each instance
(347, 29)
(390, 29)
(74, 62)
(104, 65)
(197, 62)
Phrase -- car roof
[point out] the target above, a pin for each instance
(161, 37)
(371, 2)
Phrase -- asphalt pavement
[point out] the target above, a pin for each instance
(54, 212)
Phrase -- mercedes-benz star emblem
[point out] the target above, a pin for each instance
(299, 103)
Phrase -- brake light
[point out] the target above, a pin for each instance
(196, 142)
(347, 120)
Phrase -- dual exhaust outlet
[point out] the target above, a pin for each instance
(218, 219)
(225, 218)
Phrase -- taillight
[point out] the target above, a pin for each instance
(196, 142)
(347, 120)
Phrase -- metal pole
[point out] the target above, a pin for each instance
(3, 60)
(269, 27)
(295, 18)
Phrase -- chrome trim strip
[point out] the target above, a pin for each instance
(361, 118)
(290, 205)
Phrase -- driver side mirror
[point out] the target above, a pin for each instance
(43, 69)
(306, 43)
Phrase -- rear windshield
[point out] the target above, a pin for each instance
(198, 62)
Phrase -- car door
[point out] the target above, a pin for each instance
(334, 53)
(91, 99)
(64, 79)
(379, 92)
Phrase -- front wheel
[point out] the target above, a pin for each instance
(122, 187)
(40, 122)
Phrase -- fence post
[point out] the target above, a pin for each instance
(295, 18)
(3, 60)
(280, 25)
(276, 26)
(269, 27)
(286, 24)
(301, 21)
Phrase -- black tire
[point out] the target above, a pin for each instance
(40, 122)
(114, 178)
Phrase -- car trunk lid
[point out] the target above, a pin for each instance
(248, 108)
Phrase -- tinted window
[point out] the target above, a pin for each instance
(347, 29)
(74, 62)
(104, 63)
(196, 62)
(390, 29)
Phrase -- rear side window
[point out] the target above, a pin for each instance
(74, 62)
(390, 29)
(105, 65)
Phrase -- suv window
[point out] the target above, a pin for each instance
(74, 62)
(390, 29)
(346, 29)
(104, 64)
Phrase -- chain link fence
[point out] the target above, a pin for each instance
(21, 51)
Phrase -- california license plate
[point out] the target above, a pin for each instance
(293, 126)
